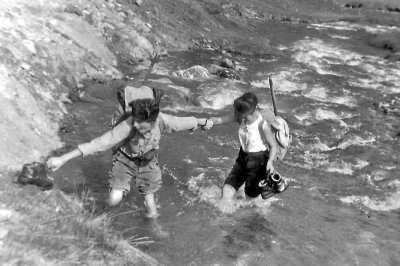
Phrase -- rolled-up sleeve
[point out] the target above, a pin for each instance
(108, 140)
(170, 123)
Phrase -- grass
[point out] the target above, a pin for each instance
(52, 228)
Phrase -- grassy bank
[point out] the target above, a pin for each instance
(50, 228)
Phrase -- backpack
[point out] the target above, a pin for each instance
(127, 94)
(279, 128)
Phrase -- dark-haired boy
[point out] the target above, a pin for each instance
(258, 150)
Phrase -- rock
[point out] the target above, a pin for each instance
(395, 57)
(354, 4)
(68, 81)
(139, 2)
(214, 68)
(195, 73)
(25, 66)
(228, 73)
(228, 63)
(30, 45)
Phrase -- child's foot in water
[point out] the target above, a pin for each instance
(226, 206)
(152, 214)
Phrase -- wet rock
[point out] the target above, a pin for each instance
(245, 46)
(354, 4)
(194, 73)
(228, 73)
(393, 9)
(228, 63)
(214, 68)
(68, 81)
(388, 41)
(391, 107)
(395, 57)
(73, 10)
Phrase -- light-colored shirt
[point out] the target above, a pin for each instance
(132, 142)
(250, 138)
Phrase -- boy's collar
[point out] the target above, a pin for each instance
(257, 115)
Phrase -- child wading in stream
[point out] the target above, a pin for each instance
(136, 142)
(259, 147)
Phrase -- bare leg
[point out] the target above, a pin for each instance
(226, 203)
(115, 197)
(151, 206)
(227, 193)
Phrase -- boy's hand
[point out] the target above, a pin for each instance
(270, 167)
(208, 125)
(216, 120)
(54, 163)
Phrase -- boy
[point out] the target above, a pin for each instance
(136, 142)
(258, 150)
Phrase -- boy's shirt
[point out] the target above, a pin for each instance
(131, 142)
(250, 138)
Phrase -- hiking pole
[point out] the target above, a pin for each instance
(153, 61)
(273, 95)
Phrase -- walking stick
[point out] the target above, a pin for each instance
(273, 95)
(153, 61)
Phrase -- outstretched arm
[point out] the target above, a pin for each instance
(223, 119)
(170, 123)
(102, 143)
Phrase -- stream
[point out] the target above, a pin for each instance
(343, 203)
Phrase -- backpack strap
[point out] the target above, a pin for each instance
(261, 131)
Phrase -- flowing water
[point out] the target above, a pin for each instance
(343, 203)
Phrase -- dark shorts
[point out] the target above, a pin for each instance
(146, 175)
(249, 169)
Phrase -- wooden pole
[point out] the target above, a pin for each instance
(153, 61)
(273, 95)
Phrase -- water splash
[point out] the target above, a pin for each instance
(390, 203)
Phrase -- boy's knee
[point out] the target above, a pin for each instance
(115, 196)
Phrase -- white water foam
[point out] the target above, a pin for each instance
(182, 91)
(309, 117)
(219, 95)
(321, 94)
(347, 26)
(212, 196)
(361, 71)
(391, 202)
(218, 101)
(335, 36)
(346, 168)
(285, 81)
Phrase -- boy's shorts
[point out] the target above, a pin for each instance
(147, 175)
(249, 169)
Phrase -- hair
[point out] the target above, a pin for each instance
(247, 103)
(147, 109)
